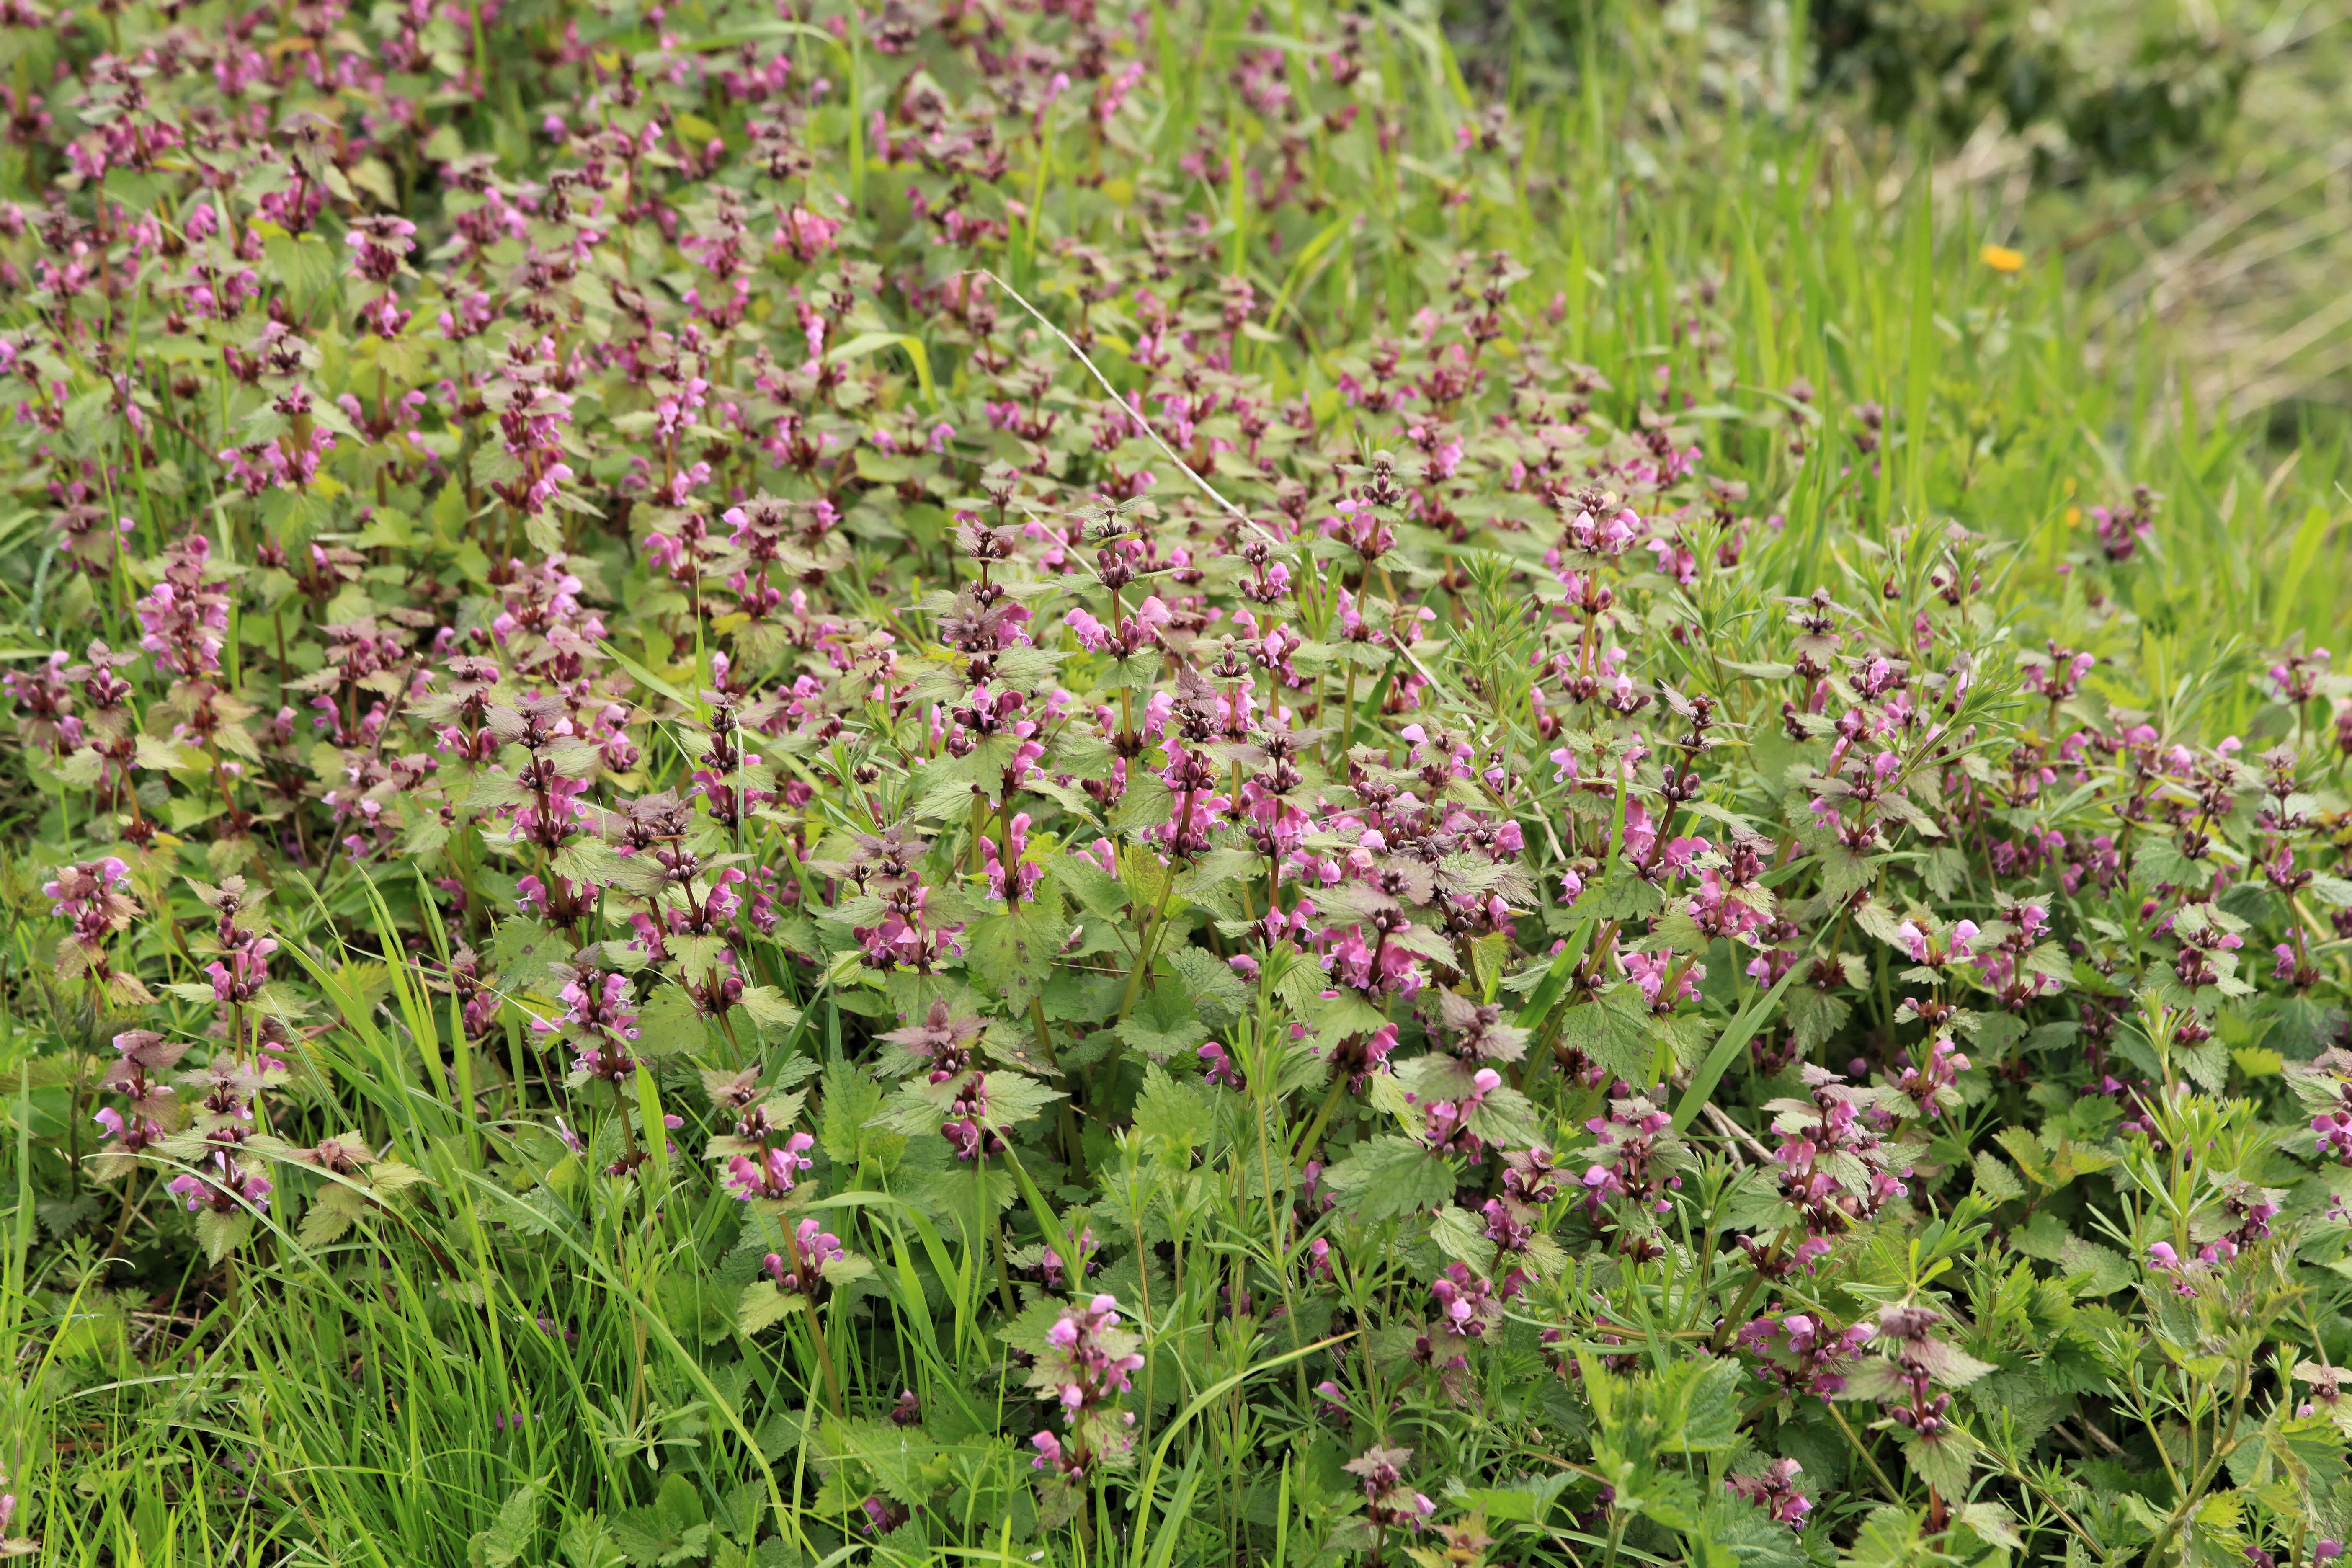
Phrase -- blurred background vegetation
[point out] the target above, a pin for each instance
(2187, 164)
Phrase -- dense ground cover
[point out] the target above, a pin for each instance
(1069, 785)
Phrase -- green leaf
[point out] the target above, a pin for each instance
(308, 265)
(1702, 1410)
(1173, 1112)
(1386, 1176)
(1165, 1023)
(222, 1233)
(1216, 989)
(1461, 1238)
(1014, 1098)
(1996, 1180)
(851, 1098)
(698, 957)
(1097, 891)
(510, 1535)
(1527, 1501)
(1622, 897)
(1013, 952)
(1814, 1015)
(520, 951)
(1508, 1119)
(670, 1024)
(768, 1008)
(763, 1306)
(1732, 1532)
(1727, 1046)
(1942, 1461)
(1614, 1032)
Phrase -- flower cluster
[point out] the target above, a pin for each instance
(1087, 1361)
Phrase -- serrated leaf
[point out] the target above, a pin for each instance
(670, 1024)
(763, 1306)
(326, 1221)
(1388, 1175)
(1996, 1180)
(1173, 1112)
(509, 1534)
(1702, 1406)
(1213, 983)
(1163, 1025)
(221, 1234)
(520, 951)
(1013, 952)
(1943, 1462)
(852, 1098)
(1614, 1032)
(1014, 1098)
(1816, 1016)
(768, 1007)
(1994, 1524)
(1460, 1237)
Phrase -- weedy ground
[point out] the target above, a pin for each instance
(1079, 784)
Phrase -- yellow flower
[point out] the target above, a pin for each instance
(2002, 258)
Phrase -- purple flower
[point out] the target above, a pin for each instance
(771, 1175)
(1774, 1490)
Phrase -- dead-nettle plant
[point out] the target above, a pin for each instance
(818, 677)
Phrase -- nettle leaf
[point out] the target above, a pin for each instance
(1173, 1111)
(1814, 1016)
(763, 1306)
(520, 951)
(1013, 951)
(1732, 1532)
(1165, 1023)
(1459, 1234)
(698, 957)
(1386, 1176)
(1014, 1098)
(1996, 1180)
(768, 1008)
(1614, 1032)
(2303, 1026)
(1700, 1405)
(918, 1109)
(895, 1456)
(1993, 1523)
(1508, 1119)
(2334, 891)
(221, 1234)
(1685, 1036)
(847, 1270)
(1096, 890)
(328, 1218)
(1622, 897)
(2159, 859)
(847, 1132)
(1943, 1461)
(1216, 990)
(309, 267)
(669, 1024)
(510, 1536)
